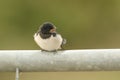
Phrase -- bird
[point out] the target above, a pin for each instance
(48, 39)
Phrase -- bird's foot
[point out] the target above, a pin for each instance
(52, 51)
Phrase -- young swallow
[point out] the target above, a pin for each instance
(47, 38)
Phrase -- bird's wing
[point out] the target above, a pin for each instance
(64, 41)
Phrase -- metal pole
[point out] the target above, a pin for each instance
(68, 60)
(17, 74)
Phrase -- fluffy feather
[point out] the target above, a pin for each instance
(48, 39)
(50, 44)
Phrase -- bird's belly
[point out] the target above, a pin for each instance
(50, 45)
(53, 43)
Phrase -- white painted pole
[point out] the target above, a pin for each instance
(68, 60)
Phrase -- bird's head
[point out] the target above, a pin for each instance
(48, 28)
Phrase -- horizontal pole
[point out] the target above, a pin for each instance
(68, 60)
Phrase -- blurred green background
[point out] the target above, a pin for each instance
(86, 24)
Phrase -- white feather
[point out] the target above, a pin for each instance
(50, 44)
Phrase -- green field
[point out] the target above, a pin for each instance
(62, 76)
(86, 24)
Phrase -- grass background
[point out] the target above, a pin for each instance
(86, 24)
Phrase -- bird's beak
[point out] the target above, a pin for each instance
(53, 30)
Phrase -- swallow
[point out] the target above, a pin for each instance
(48, 39)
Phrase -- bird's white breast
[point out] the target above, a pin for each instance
(52, 43)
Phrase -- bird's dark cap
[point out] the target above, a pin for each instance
(47, 26)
